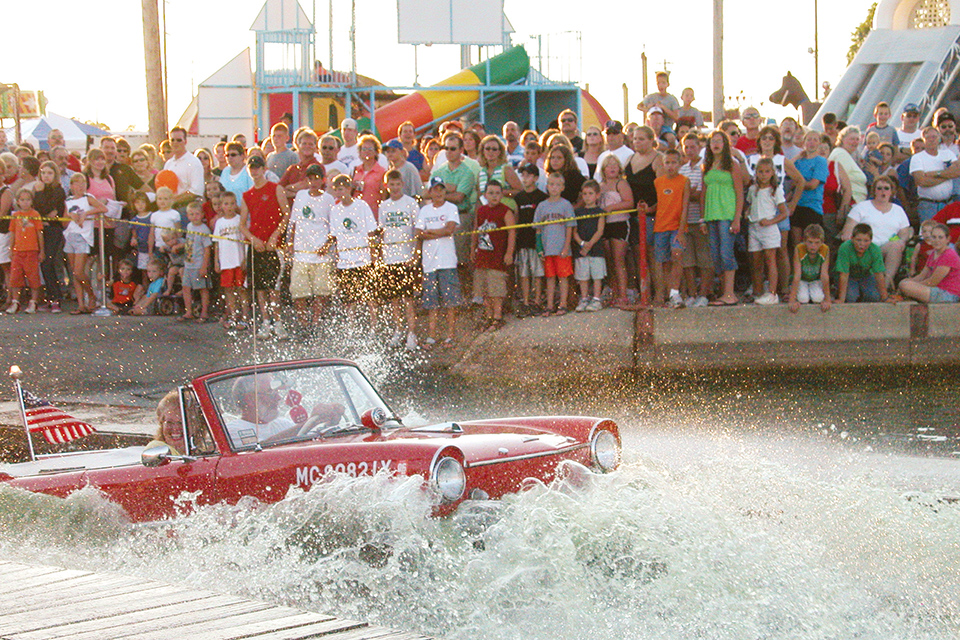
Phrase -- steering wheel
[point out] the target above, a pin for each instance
(323, 415)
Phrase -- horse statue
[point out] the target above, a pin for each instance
(792, 94)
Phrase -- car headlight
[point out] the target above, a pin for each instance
(605, 450)
(450, 479)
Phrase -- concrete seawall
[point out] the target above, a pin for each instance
(746, 336)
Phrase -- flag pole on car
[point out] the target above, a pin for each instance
(16, 373)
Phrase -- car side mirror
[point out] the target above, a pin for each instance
(155, 456)
(374, 418)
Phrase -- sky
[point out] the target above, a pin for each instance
(90, 63)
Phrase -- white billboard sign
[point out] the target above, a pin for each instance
(451, 21)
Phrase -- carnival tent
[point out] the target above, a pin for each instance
(35, 130)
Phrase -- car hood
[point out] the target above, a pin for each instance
(485, 440)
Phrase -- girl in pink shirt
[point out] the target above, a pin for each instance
(101, 184)
(940, 279)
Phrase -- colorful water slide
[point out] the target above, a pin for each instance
(425, 106)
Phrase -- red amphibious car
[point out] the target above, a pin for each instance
(260, 430)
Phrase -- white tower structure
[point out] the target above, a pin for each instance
(911, 55)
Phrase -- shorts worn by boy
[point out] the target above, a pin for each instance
(763, 204)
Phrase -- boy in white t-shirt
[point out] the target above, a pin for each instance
(436, 224)
(400, 276)
(165, 241)
(311, 277)
(352, 225)
(228, 262)
(164, 220)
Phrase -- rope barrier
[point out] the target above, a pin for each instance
(469, 232)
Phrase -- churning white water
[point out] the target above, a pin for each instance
(697, 536)
(749, 508)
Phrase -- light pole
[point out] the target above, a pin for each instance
(718, 108)
(816, 54)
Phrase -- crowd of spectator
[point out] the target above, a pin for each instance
(279, 233)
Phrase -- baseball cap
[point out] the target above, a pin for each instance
(256, 161)
(945, 116)
(315, 170)
(911, 107)
(348, 123)
(394, 144)
(655, 110)
(436, 182)
(613, 126)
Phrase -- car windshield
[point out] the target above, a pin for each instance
(274, 405)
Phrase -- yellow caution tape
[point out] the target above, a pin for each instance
(525, 225)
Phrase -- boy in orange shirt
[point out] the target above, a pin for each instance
(669, 229)
(27, 231)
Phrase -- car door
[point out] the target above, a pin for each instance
(174, 488)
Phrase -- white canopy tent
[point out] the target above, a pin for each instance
(75, 133)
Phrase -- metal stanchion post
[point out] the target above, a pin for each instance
(102, 311)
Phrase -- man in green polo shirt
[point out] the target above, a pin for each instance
(461, 189)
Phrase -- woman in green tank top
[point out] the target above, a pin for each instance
(722, 204)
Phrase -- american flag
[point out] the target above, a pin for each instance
(57, 426)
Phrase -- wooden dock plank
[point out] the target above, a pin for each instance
(373, 633)
(85, 590)
(59, 615)
(254, 629)
(223, 626)
(331, 629)
(47, 603)
(170, 624)
(293, 619)
(145, 619)
(14, 569)
(24, 581)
